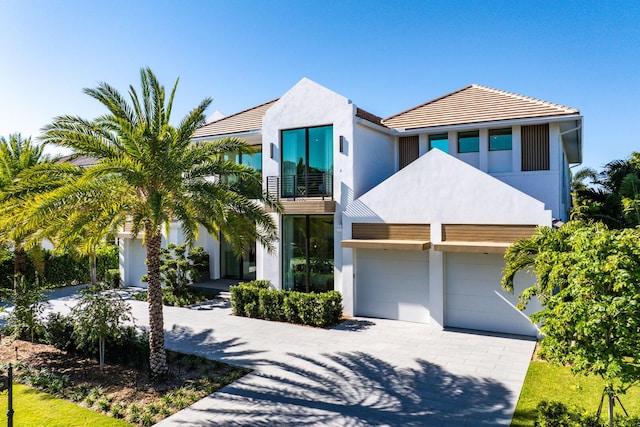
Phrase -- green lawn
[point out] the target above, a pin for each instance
(33, 408)
(547, 382)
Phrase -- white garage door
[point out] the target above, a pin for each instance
(475, 299)
(392, 284)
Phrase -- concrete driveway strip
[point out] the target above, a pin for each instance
(364, 372)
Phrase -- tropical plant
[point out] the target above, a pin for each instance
(17, 154)
(26, 298)
(99, 315)
(611, 196)
(150, 173)
(588, 280)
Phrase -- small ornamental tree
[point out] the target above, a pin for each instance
(588, 279)
(99, 316)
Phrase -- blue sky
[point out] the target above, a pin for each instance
(386, 56)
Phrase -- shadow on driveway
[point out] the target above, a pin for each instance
(186, 340)
(354, 389)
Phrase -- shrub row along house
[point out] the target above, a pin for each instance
(409, 216)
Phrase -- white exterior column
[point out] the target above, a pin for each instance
(436, 278)
(483, 154)
(423, 144)
(516, 149)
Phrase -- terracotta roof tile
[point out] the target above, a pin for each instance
(243, 121)
(475, 104)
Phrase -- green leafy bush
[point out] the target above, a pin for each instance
(112, 278)
(557, 414)
(107, 259)
(255, 299)
(25, 319)
(58, 332)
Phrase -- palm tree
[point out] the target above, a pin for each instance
(17, 155)
(150, 173)
(79, 230)
(613, 195)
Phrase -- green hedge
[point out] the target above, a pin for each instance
(255, 299)
(61, 269)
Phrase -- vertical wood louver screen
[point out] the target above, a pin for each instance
(408, 150)
(535, 147)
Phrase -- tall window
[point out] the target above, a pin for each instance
(439, 141)
(307, 161)
(232, 267)
(500, 139)
(468, 142)
(307, 245)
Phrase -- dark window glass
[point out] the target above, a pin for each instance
(468, 142)
(500, 139)
(439, 141)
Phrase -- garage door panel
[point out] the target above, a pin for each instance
(475, 299)
(392, 285)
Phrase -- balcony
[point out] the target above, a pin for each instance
(303, 194)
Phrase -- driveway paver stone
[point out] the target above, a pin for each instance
(364, 372)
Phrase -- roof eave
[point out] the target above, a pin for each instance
(495, 123)
(241, 134)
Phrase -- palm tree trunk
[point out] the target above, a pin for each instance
(19, 260)
(157, 355)
(93, 270)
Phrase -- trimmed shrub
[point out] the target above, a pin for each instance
(254, 299)
(270, 305)
(107, 259)
(60, 269)
(112, 278)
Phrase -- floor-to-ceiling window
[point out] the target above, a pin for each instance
(307, 249)
(307, 162)
(243, 267)
(232, 267)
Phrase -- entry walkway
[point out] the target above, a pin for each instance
(364, 372)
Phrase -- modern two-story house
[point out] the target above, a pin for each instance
(409, 216)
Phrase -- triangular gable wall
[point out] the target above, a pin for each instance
(438, 188)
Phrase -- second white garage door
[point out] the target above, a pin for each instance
(392, 284)
(475, 299)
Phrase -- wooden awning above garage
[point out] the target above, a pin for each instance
(481, 238)
(407, 237)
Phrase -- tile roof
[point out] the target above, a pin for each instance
(475, 104)
(78, 160)
(243, 121)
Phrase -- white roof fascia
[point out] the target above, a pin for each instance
(251, 132)
(379, 128)
(493, 124)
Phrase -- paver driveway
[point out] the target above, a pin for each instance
(363, 372)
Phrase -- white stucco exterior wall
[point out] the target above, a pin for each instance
(307, 104)
(438, 189)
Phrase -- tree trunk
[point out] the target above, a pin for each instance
(611, 403)
(157, 356)
(101, 351)
(93, 270)
(19, 260)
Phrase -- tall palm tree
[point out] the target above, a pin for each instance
(17, 155)
(150, 173)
